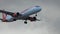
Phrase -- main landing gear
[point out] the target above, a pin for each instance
(25, 22)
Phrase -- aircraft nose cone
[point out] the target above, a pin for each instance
(37, 6)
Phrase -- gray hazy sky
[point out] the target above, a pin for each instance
(49, 16)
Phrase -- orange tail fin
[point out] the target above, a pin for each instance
(4, 16)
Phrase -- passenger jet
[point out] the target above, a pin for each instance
(25, 15)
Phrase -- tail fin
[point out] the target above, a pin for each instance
(4, 16)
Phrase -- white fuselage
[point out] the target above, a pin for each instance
(26, 13)
(31, 11)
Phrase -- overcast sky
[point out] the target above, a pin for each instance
(49, 16)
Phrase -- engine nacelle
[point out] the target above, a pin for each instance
(16, 14)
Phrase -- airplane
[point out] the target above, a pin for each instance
(25, 15)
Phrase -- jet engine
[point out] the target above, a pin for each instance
(16, 14)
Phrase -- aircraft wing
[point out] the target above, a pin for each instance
(6, 12)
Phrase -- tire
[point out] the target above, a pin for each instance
(25, 22)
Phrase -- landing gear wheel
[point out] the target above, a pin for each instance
(25, 22)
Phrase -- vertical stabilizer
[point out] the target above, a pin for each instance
(4, 16)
